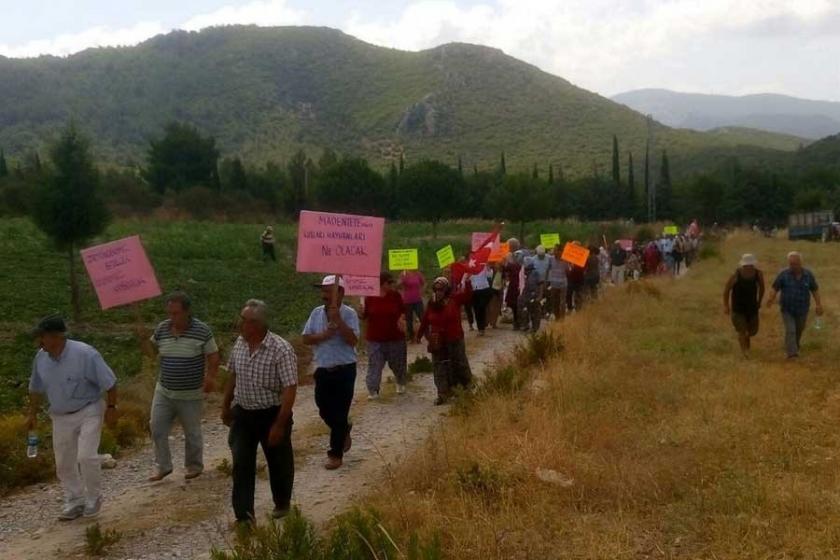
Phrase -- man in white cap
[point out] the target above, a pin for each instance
(333, 330)
(742, 299)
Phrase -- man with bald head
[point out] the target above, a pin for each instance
(796, 285)
(257, 407)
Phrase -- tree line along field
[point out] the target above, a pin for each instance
(218, 264)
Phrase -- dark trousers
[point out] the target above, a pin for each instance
(573, 296)
(468, 309)
(249, 429)
(333, 397)
(480, 299)
(412, 309)
(268, 251)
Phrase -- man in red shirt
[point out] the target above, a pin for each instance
(385, 336)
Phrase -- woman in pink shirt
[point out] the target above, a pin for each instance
(411, 286)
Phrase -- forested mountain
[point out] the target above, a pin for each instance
(774, 113)
(265, 93)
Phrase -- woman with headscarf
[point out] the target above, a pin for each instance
(441, 325)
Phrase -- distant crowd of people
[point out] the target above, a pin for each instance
(524, 288)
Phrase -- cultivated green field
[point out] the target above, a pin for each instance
(219, 264)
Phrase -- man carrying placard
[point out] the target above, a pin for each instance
(333, 330)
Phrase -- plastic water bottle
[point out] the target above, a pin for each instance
(32, 445)
(818, 324)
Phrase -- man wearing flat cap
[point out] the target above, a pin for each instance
(73, 376)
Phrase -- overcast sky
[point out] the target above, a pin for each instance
(608, 46)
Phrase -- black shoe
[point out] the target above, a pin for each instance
(280, 513)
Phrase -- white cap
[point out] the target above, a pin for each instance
(748, 259)
(330, 281)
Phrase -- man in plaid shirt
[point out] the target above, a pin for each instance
(796, 284)
(257, 407)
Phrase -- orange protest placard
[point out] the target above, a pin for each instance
(499, 254)
(575, 254)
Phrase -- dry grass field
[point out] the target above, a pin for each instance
(647, 436)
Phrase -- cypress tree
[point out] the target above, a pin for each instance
(616, 172)
(631, 187)
(647, 177)
(4, 169)
(402, 163)
(460, 167)
(536, 173)
(550, 174)
(664, 189)
(503, 165)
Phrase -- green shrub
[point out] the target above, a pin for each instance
(421, 364)
(539, 348)
(486, 483)
(356, 535)
(16, 469)
(98, 541)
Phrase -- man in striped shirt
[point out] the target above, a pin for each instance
(189, 363)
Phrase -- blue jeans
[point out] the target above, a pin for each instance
(794, 326)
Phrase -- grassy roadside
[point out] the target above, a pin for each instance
(647, 436)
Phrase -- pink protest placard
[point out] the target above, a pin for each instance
(365, 286)
(479, 238)
(120, 272)
(340, 243)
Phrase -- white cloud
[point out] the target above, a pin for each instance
(268, 13)
(265, 13)
(605, 45)
(70, 43)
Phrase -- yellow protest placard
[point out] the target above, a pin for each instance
(575, 254)
(403, 259)
(549, 240)
(445, 256)
(671, 230)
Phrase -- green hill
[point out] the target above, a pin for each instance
(266, 92)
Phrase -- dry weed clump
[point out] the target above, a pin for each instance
(661, 440)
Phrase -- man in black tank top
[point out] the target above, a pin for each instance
(742, 299)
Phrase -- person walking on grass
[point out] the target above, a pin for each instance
(796, 285)
(441, 326)
(257, 407)
(73, 377)
(411, 286)
(385, 336)
(558, 282)
(333, 330)
(742, 299)
(188, 367)
(618, 260)
(267, 242)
